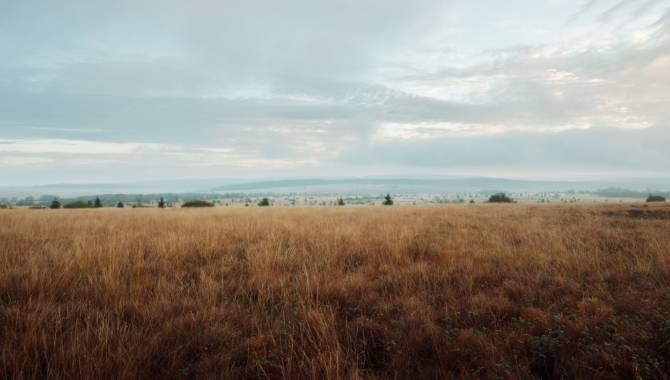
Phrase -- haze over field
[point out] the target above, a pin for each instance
(127, 91)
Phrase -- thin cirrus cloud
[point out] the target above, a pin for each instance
(129, 90)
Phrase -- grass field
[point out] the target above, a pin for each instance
(468, 291)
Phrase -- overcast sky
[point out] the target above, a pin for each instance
(125, 90)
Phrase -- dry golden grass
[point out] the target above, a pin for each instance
(471, 291)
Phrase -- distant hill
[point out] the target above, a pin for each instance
(398, 185)
(367, 186)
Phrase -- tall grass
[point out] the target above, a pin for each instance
(476, 291)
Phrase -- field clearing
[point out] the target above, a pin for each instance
(467, 291)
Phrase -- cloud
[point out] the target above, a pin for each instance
(111, 156)
(11, 161)
(303, 87)
(72, 146)
(596, 150)
(585, 8)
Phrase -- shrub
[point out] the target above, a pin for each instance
(197, 203)
(264, 202)
(98, 202)
(78, 204)
(161, 203)
(500, 198)
(55, 204)
(388, 201)
(655, 198)
(340, 202)
(120, 205)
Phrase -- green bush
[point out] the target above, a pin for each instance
(55, 204)
(388, 201)
(264, 202)
(197, 203)
(500, 198)
(655, 198)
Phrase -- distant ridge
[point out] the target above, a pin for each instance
(399, 185)
(371, 185)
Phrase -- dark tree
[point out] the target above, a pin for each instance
(655, 198)
(500, 198)
(388, 201)
(197, 203)
(97, 203)
(55, 204)
(119, 205)
(161, 203)
(340, 202)
(264, 202)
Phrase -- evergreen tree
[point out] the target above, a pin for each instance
(340, 201)
(161, 203)
(98, 202)
(55, 204)
(388, 201)
(119, 205)
(264, 202)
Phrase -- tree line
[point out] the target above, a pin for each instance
(264, 202)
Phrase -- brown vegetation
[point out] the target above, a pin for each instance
(472, 291)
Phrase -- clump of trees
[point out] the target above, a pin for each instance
(340, 202)
(120, 205)
(55, 204)
(197, 203)
(264, 202)
(500, 198)
(655, 198)
(388, 201)
(78, 204)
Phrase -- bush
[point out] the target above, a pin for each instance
(655, 198)
(264, 202)
(78, 204)
(340, 202)
(120, 205)
(197, 203)
(500, 198)
(98, 202)
(55, 204)
(388, 201)
(161, 203)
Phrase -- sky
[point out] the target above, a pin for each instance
(109, 91)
